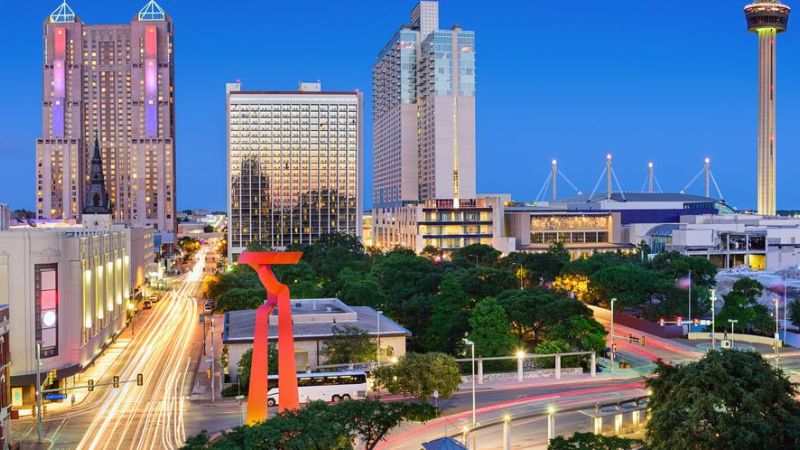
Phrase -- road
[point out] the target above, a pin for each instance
(164, 349)
(531, 432)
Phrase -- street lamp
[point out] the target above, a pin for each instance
(777, 333)
(612, 335)
(713, 317)
(378, 352)
(472, 348)
(732, 322)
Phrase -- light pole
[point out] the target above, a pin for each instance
(38, 393)
(472, 348)
(378, 351)
(612, 335)
(777, 333)
(732, 322)
(713, 317)
(690, 300)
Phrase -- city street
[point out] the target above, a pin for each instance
(163, 348)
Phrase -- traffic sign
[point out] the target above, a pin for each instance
(55, 396)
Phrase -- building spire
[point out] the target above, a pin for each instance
(152, 12)
(62, 14)
(96, 201)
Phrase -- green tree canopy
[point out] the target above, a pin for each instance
(675, 265)
(332, 252)
(475, 254)
(357, 289)
(591, 441)
(728, 400)
(348, 345)
(490, 329)
(630, 284)
(449, 316)
(246, 363)
(481, 282)
(420, 374)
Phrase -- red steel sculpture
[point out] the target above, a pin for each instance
(277, 295)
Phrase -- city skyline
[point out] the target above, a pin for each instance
(660, 97)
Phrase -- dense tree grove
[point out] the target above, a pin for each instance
(320, 426)
(443, 298)
(728, 400)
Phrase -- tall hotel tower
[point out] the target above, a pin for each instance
(115, 83)
(294, 165)
(767, 18)
(423, 129)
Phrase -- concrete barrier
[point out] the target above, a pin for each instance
(749, 338)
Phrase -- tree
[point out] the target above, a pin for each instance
(420, 374)
(490, 330)
(727, 400)
(591, 441)
(449, 317)
(630, 284)
(794, 312)
(432, 253)
(475, 255)
(741, 304)
(321, 426)
(371, 420)
(240, 298)
(675, 265)
(331, 253)
(357, 289)
(481, 282)
(403, 275)
(246, 363)
(348, 345)
(522, 308)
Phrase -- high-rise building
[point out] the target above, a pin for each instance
(424, 138)
(424, 113)
(767, 18)
(115, 82)
(294, 165)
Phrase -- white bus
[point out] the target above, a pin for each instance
(327, 386)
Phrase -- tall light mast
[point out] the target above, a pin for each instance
(767, 18)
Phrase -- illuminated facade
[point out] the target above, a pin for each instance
(424, 134)
(294, 165)
(115, 82)
(767, 18)
(67, 288)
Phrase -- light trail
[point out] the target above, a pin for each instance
(151, 416)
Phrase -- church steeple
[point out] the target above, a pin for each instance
(96, 201)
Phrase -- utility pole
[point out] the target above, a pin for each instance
(38, 393)
(777, 333)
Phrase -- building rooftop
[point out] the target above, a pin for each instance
(313, 319)
(639, 197)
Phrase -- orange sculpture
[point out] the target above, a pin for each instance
(277, 295)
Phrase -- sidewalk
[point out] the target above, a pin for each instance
(98, 371)
(202, 384)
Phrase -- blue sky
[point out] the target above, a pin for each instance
(670, 82)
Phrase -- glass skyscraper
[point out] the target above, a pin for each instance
(294, 165)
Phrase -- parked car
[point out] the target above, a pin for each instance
(147, 304)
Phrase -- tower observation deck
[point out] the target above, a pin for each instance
(767, 18)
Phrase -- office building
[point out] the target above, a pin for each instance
(294, 165)
(424, 135)
(68, 288)
(767, 18)
(314, 321)
(113, 83)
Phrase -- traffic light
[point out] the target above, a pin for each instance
(630, 338)
(208, 374)
(642, 340)
(51, 377)
(91, 385)
(115, 381)
(613, 348)
(139, 379)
